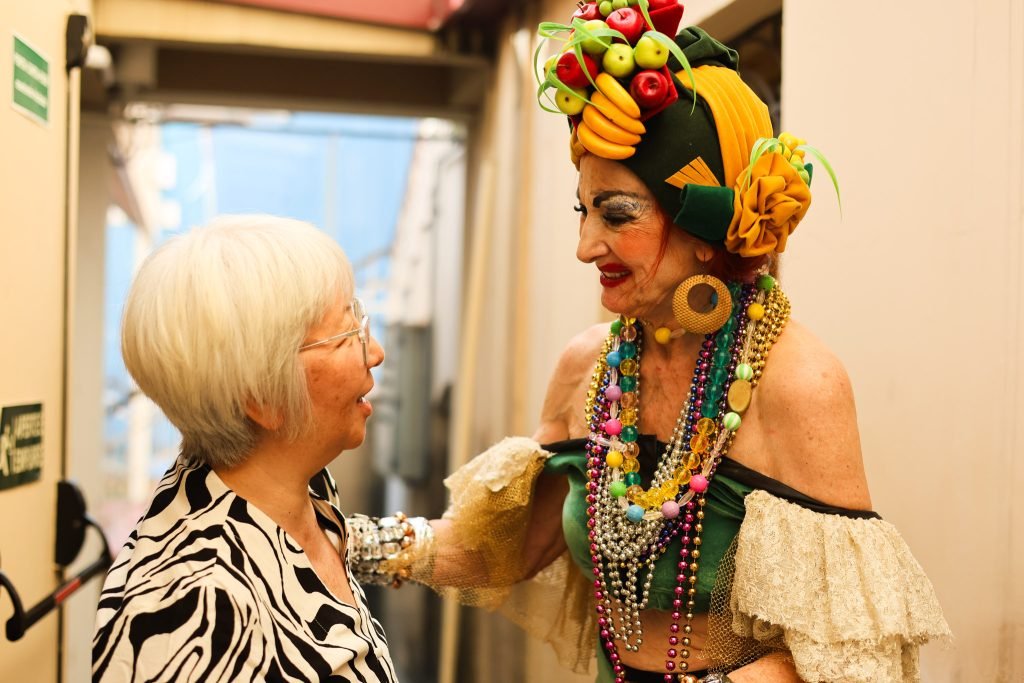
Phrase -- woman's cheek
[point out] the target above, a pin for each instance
(637, 246)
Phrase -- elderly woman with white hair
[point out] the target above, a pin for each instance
(247, 335)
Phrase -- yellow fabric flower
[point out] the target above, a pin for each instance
(767, 208)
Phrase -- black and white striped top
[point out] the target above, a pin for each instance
(208, 588)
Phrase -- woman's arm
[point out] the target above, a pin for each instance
(808, 422)
(455, 561)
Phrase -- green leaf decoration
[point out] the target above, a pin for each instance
(581, 33)
(542, 89)
(677, 52)
(552, 82)
(559, 85)
(548, 30)
(761, 147)
(828, 169)
(552, 29)
(767, 145)
(643, 5)
(536, 61)
(576, 48)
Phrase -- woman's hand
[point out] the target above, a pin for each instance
(774, 668)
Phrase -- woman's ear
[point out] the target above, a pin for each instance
(270, 419)
(704, 252)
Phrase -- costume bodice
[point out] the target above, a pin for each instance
(724, 512)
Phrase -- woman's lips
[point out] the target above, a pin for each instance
(364, 403)
(613, 275)
(365, 406)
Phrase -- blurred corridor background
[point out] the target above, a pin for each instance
(409, 132)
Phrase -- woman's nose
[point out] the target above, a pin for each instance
(374, 353)
(591, 246)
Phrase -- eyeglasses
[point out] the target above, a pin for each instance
(363, 331)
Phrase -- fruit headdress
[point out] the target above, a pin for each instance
(676, 113)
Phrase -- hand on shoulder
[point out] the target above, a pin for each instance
(809, 420)
(566, 393)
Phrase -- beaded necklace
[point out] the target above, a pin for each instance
(629, 528)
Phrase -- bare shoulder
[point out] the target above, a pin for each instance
(567, 387)
(809, 420)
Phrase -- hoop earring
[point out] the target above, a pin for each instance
(699, 322)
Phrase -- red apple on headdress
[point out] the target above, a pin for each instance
(628, 22)
(671, 93)
(587, 12)
(570, 72)
(649, 88)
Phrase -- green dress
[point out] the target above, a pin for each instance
(724, 512)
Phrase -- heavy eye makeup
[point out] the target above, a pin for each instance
(617, 207)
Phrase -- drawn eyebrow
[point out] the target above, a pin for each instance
(601, 197)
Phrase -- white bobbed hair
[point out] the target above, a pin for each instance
(214, 320)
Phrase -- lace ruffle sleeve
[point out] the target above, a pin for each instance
(845, 595)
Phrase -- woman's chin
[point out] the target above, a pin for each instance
(612, 301)
(354, 440)
(618, 305)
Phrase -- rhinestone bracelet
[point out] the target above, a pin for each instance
(381, 549)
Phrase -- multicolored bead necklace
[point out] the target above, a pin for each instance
(629, 527)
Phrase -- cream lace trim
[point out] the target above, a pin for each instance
(846, 596)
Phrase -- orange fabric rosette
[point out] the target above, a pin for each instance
(769, 203)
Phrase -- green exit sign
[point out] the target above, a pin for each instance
(31, 82)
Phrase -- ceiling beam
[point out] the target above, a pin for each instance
(199, 22)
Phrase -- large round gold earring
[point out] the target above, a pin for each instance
(701, 322)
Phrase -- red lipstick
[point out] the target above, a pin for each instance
(613, 274)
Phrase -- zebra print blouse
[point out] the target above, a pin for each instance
(208, 588)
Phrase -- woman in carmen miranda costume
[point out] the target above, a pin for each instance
(717, 532)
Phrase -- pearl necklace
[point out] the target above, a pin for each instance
(630, 528)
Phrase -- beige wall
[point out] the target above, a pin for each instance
(918, 286)
(32, 278)
(85, 419)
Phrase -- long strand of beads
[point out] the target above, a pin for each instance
(622, 545)
(602, 590)
(668, 480)
(757, 339)
(616, 443)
